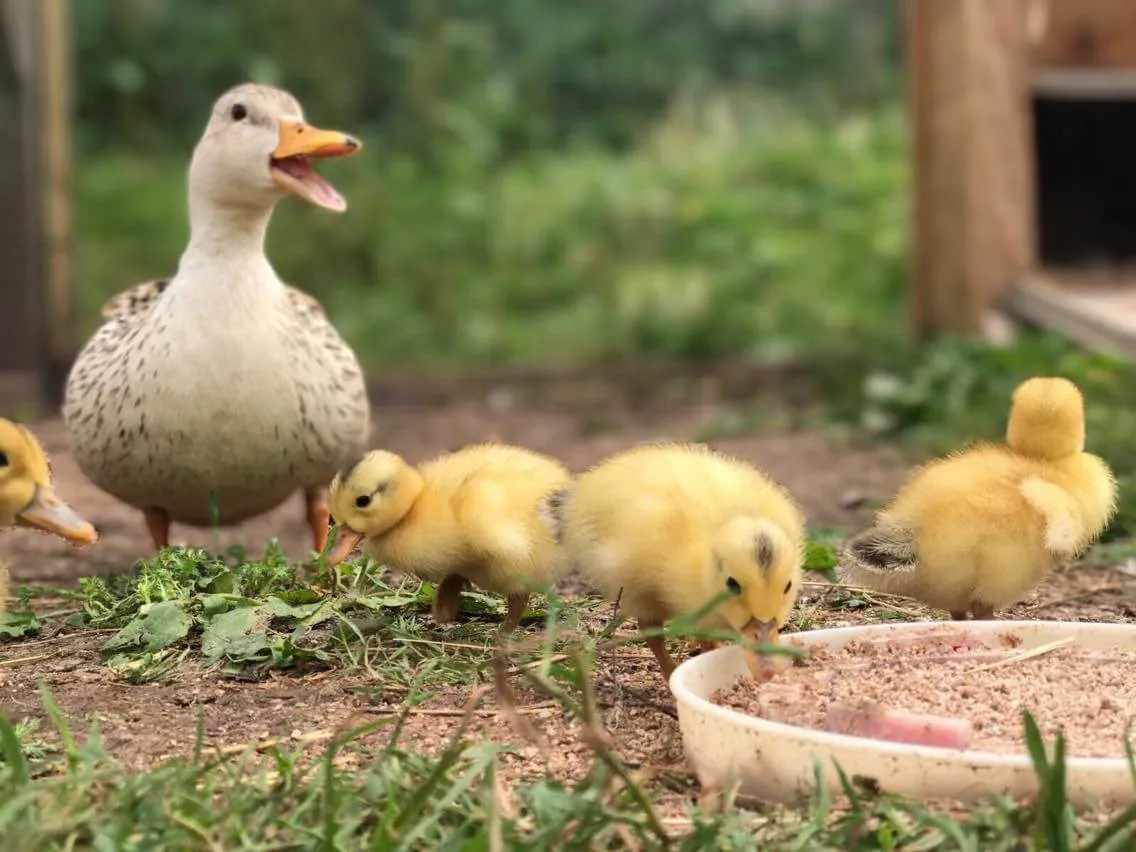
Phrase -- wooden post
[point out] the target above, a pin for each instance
(973, 208)
(19, 307)
(55, 133)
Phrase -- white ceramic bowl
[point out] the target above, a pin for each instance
(774, 761)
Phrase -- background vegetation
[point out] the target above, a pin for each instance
(543, 182)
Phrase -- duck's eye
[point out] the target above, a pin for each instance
(363, 501)
(238, 112)
(733, 585)
(788, 586)
(3, 460)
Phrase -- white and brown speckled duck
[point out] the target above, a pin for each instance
(213, 396)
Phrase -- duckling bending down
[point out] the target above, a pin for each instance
(467, 516)
(26, 496)
(666, 528)
(213, 396)
(979, 529)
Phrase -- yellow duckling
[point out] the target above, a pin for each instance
(467, 516)
(979, 529)
(26, 496)
(666, 528)
(214, 396)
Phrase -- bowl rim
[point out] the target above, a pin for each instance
(972, 757)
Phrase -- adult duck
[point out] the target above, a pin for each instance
(209, 398)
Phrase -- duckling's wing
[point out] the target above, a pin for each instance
(135, 301)
(882, 551)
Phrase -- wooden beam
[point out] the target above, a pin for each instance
(56, 133)
(973, 203)
(1087, 34)
(19, 302)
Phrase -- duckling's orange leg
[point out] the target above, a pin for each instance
(158, 523)
(516, 609)
(658, 646)
(318, 516)
(705, 645)
(445, 606)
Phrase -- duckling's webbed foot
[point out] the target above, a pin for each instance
(958, 615)
(516, 609)
(445, 606)
(158, 523)
(318, 516)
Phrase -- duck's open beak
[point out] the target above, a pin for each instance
(762, 666)
(48, 513)
(300, 142)
(346, 540)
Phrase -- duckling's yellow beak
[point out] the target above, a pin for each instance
(300, 142)
(762, 666)
(48, 513)
(346, 539)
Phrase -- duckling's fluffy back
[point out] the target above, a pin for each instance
(479, 508)
(644, 521)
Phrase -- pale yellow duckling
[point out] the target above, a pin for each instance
(26, 496)
(212, 397)
(467, 516)
(979, 529)
(666, 528)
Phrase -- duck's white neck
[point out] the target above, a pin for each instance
(225, 257)
(226, 232)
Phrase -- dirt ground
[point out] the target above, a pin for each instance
(141, 724)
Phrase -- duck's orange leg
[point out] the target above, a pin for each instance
(158, 523)
(318, 516)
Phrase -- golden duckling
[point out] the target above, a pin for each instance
(666, 528)
(467, 516)
(27, 498)
(979, 529)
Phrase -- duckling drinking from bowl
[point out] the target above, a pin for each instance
(211, 397)
(667, 528)
(466, 516)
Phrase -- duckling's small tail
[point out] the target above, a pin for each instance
(551, 511)
(881, 558)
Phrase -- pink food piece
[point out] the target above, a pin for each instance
(899, 726)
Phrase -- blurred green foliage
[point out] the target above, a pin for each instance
(543, 182)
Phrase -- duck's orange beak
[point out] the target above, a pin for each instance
(346, 540)
(300, 139)
(762, 666)
(48, 513)
(300, 142)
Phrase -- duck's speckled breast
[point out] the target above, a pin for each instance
(238, 411)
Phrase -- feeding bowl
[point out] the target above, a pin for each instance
(774, 762)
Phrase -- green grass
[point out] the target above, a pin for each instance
(59, 789)
(731, 231)
(278, 798)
